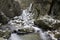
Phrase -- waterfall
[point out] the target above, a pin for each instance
(26, 17)
(30, 7)
(28, 21)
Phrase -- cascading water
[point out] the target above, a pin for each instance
(15, 37)
(28, 21)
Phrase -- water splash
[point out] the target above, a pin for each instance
(28, 18)
(28, 21)
(42, 34)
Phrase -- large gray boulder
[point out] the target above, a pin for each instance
(50, 8)
(47, 22)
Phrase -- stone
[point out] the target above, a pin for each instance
(42, 25)
(57, 35)
(24, 31)
(5, 34)
(47, 22)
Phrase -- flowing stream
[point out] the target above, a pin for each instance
(27, 17)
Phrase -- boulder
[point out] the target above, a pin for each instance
(24, 31)
(47, 22)
(42, 25)
(5, 34)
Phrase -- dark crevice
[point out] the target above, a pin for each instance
(52, 4)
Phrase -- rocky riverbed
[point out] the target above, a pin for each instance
(29, 20)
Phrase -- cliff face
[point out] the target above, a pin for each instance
(41, 7)
(10, 8)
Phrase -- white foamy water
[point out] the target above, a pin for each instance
(28, 21)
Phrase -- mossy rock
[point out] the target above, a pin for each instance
(57, 35)
(56, 26)
(10, 8)
(27, 30)
(1, 33)
(5, 34)
(42, 25)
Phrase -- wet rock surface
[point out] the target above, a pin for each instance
(49, 23)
